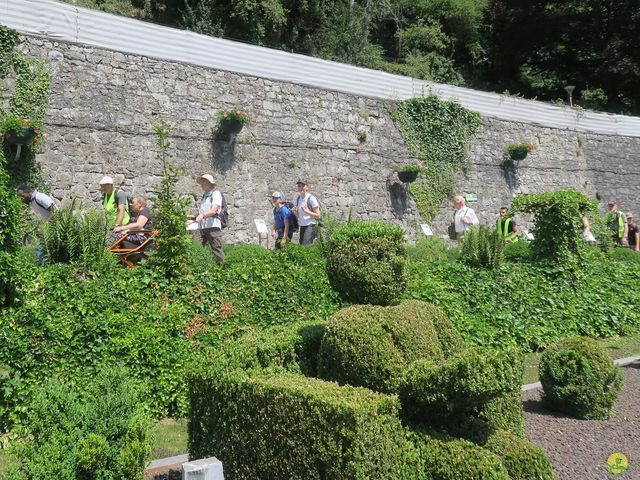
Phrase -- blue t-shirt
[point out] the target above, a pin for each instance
(279, 217)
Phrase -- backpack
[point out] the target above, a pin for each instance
(293, 220)
(223, 212)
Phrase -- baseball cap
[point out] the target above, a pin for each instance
(629, 215)
(208, 178)
(106, 180)
(276, 195)
(612, 202)
(303, 181)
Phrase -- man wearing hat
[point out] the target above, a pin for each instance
(282, 230)
(307, 211)
(208, 216)
(633, 237)
(114, 202)
(617, 223)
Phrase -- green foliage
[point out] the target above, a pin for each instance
(247, 253)
(9, 228)
(505, 412)
(558, 226)
(579, 378)
(522, 459)
(74, 237)
(102, 436)
(433, 250)
(593, 98)
(482, 247)
(526, 304)
(372, 346)
(435, 391)
(438, 133)
(169, 257)
(367, 262)
(453, 459)
(519, 251)
(624, 255)
(291, 426)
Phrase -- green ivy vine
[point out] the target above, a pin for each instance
(29, 99)
(438, 133)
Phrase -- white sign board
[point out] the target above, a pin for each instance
(426, 229)
(261, 226)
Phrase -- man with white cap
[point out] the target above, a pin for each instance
(114, 202)
(209, 216)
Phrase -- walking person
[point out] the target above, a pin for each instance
(617, 223)
(507, 227)
(40, 203)
(463, 218)
(115, 203)
(209, 216)
(282, 231)
(633, 237)
(308, 212)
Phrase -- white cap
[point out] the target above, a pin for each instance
(106, 180)
(208, 178)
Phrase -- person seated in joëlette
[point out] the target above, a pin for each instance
(141, 219)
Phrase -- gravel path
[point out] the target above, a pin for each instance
(579, 449)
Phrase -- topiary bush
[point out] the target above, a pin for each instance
(372, 346)
(521, 459)
(580, 379)
(367, 262)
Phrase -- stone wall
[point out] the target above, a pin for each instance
(104, 103)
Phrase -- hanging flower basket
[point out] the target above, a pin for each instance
(230, 125)
(519, 154)
(21, 136)
(407, 176)
(519, 151)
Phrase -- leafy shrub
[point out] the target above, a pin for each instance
(73, 237)
(558, 225)
(453, 459)
(434, 391)
(482, 247)
(505, 412)
(104, 435)
(367, 262)
(593, 98)
(249, 252)
(522, 459)
(517, 251)
(290, 426)
(9, 208)
(579, 378)
(372, 346)
(434, 250)
(625, 255)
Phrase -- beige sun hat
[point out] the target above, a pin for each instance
(208, 178)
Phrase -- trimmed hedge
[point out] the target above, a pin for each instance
(505, 412)
(432, 392)
(522, 459)
(372, 346)
(579, 378)
(295, 427)
(367, 262)
(457, 459)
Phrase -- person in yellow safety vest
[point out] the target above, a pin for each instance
(116, 206)
(507, 227)
(617, 223)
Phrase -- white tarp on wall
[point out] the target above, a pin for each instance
(65, 22)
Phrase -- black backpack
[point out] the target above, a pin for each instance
(293, 221)
(223, 212)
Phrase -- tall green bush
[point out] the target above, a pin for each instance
(9, 227)
(557, 226)
(579, 378)
(482, 247)
(367, 262)
(103, 436)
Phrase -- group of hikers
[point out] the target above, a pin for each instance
(133, 218)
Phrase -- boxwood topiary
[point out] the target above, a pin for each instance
(372, 346)
(367, 262)
(522, 459)
(579, 378)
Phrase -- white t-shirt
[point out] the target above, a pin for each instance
(312, 203)
(212, 197)
(42, 204)
(469, 215)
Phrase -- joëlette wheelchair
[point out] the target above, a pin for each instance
(131, 253)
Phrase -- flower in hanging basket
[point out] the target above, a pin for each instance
(19, 130)
(231, 121)
(519, 151)
(409, 173)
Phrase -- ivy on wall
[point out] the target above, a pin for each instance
(438, 133)
(29, 99)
